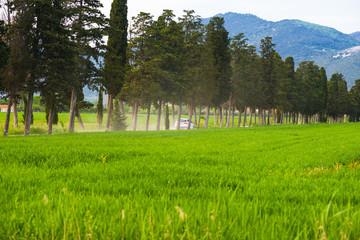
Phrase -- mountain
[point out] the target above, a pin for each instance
(302, 40)
(345, 61)
(355, 35)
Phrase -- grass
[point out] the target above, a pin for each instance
(279, 182)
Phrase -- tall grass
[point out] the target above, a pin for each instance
(280, 182)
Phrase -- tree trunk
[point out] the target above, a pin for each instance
(293, 118)
(264, 117)
(228, 115)
(189, 112)
(122, 107)
(78, 116)
(297, 118)
(173, 114)
(260, 116)
(245, 113)
(158, 117)
(221, 117)
(195, 117)
(199, 117)
(190, 115)
(163, 115)
(135, 116)
(179, 117)
(109, 111)
(207, 117)
(255, 116)
(28, 114)
(239, 122)
(215, 117)
(251, 115)
(50, 119)
(7, 120)
(147, 117)
(100, 110)
(72, 111)
(233, 117)
(15, 113)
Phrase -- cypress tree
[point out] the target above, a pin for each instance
(56, 56)
(268, 79)
(194, 46)
(116, 57)
(333, 96)
(87, 31)
(355, 101)
(218, 42)
(118, 119)
(324, 93)
(216, 73)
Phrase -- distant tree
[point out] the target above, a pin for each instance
(217, 57)
(332, 106)
(312, 91)
(268, 79)
(194, 46)
(338, 100)
(344, 99)
(324, 94)
(141, 86)
(355, 102)
(245, 77)
(169, 46)
(287, 93)
(116, 58)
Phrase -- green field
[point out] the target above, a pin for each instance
(278, 182)
(90, 123)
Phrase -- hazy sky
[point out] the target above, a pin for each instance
(343, 15)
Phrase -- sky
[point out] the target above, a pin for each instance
(343, 15)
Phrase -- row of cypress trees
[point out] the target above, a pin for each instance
(55, 48)
(186, 63)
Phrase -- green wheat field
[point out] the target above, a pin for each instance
(277, 182)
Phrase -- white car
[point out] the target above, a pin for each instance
(184, 123)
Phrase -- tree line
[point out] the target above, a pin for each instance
(56, 48)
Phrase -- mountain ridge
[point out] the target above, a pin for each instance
(355, 35)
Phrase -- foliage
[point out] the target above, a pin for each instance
(4, 55)
(115, 57)
(217, 58)
(118, 119)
